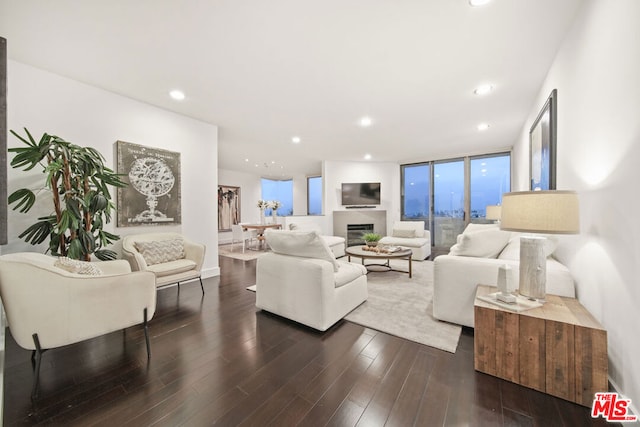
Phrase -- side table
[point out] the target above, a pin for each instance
(558, 348)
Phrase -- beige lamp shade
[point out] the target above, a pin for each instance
(493, 212)
(546, 212)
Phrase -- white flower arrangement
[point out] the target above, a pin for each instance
(263, 204)
(274, 204)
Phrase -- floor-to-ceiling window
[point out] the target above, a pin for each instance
(280, 190)
(448, 201)
(416, 191)
(490, 179)
(448, 194)
(314, 195)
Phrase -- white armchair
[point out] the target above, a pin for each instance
(302, 280)
(48, 306)
(169, 256)
(410, 235)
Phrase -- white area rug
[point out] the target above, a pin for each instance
(402, 307)
(235, 251)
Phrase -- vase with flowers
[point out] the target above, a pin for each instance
(262, 205)
(274, 205)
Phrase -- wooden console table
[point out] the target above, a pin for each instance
(559, 348)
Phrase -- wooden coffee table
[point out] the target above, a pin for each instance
(358, 252)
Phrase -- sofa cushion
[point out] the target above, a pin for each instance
(172, 267)
(417, 226)
(512, 250)
(348, 272)
(482, 244)
(305, 227)
(333, 240)
(404, 233)
(473, 228)
(159, 251)
(305, 244)
(77, 266)
(416, 242)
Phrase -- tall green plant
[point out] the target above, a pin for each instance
(78, 181)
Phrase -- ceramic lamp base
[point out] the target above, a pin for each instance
(533, 268)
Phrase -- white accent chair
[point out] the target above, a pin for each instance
(180, 267)
(410, 235)
(240, 235)
(301, 280)
(49, 307)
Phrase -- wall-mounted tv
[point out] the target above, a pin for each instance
(361, 193)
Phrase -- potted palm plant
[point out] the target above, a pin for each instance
(77, 180)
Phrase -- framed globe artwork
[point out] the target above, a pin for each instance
(153, 194)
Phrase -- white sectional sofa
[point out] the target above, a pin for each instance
(475, 260)
(301, 280)
(411, 235)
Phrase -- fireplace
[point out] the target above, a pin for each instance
(355, 232)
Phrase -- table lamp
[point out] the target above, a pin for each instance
(493, 212)
(544, 212)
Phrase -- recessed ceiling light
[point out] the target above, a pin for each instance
(483, 89)
(483, 126)
(475, 3)
(365, 122)
(296, 140)
(246, 160)
(176, 94)
(367, 156)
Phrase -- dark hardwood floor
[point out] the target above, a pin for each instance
(216, 360)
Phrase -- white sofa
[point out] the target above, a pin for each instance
(301, 280)
(336, 244)
(475, 260)
(169, 256)
(411, 235)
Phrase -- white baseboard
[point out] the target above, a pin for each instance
(617, 389)
(210, 272)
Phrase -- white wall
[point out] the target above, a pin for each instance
(85, 115)
(387, 174)
(300, 195)
(597, 72)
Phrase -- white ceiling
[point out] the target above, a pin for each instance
(265, 71)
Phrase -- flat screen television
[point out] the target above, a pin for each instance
(361, 193)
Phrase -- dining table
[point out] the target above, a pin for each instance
(260, 228)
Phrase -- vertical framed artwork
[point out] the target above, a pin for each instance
(228, 207)
(542, 146)
(153, 194)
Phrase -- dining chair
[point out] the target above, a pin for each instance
(240, 235)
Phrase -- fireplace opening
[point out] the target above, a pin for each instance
(355, 233)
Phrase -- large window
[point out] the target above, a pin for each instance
(281, 191)
(314, 195)
(416, 184)
(448, 194)
(490, 178)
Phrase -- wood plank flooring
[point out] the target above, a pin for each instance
(216, 360)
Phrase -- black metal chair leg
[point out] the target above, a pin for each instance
(38, 359)
(146, 334)
(201, 285)
(178, 287)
